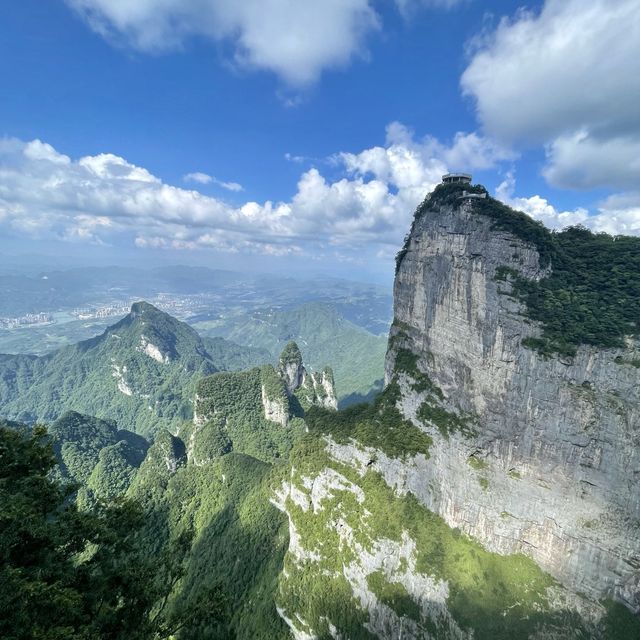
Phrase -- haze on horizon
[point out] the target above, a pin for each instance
(299, 137)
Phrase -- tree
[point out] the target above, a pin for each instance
(70, 574)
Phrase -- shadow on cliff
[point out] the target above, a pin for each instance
(359, 398)
(244, 556)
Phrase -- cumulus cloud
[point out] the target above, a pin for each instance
(619, 214)
(296, 40)
(44, 192)
(365, 210)
(205, 178)
(582, 160)
(95, 198)
(565, 77)
(538, 207)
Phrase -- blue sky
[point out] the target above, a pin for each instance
(300, 135)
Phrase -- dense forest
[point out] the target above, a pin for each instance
(71, 574)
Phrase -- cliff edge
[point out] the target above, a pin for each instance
(536, 438)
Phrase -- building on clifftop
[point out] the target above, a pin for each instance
(462, 178)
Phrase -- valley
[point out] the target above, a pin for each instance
(437, 510)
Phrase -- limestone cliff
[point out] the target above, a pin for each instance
(491, 491)
(531, 453)
(310, 388)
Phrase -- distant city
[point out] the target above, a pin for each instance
(29, 319)
(181, 306)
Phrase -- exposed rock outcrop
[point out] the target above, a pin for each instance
(548, 461)
(291, 368)
(310, 388)
(275, 409)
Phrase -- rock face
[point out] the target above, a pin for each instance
(548, 461)
(316, 388)
(290, 367)
(275, 409)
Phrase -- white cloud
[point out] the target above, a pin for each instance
(229, 186)
(583, 161)
(366, 210)
(296, 40)
(539, 208)
(96, 198)
(205, 178)
(407, 7)
(565, 77)
(197, 176)
(618, 215)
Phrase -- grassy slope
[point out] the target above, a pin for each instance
(324, 337)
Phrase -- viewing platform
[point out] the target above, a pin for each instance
(457, 178)
(468, 196)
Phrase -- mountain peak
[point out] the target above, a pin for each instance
(492, 310)
(143, 307)
(291, 354)
(291, 368)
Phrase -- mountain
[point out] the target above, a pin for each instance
(326, 337)
(214, 479)
(492, 490)
(96, 455)
(489, 492)
(141, 373)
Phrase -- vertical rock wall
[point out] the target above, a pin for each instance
(550, 466)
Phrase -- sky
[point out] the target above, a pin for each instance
(299, 136)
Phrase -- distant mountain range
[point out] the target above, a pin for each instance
(325, 336)
(141, 372)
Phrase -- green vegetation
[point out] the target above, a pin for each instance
(592, 294)
(229, 356)
(238, 538)
(291, 354)
(232, 404)
(94, 455)
(72, 575)
(619, 622)
(504, 273)
(79, 440)
(477, 463)
(447, 422)
(328, 338)
(379, 425)
(273, 385)
(498, 597)
(431, 410)
(407, 362)
(633, 362)
(394, 595)
(112, 377)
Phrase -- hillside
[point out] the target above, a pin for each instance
(488, 493)
(326, 338)
(96, 455)
(214, 479)
(140, 373)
